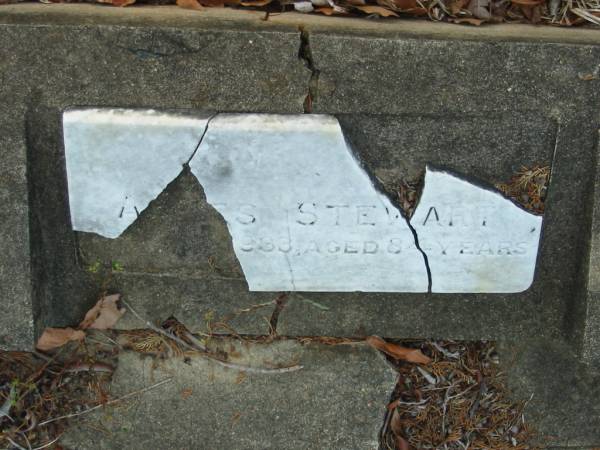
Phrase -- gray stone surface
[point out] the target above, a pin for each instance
(402, 102)
(202, 304)
(337, 401)
(564, 407)
(588, 331)
(16, 309)
(101, 59)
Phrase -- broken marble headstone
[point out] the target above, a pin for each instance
(118, 160)
(476, 240)
(303, 213)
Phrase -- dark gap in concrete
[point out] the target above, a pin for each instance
(280, 303)
(62, 291)
(305, 54)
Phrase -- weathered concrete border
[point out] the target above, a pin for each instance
(397, 78)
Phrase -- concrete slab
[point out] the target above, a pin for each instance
(337, 401)
(396, 102)
(564, 406)
(199, 303)
(108, 63)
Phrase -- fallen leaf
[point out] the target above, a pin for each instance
(256, 3)
(186, 393)
(327, 10)
(189, 4)
(8, 403)
(413, 355)
(396, 427)
(117, 2)
(406, 4)
(52, 338)
(455, 6)
(104, 315)
(379, 10)
(304, 7)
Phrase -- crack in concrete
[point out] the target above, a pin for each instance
(280, 303)
(201, 138)
(305, 54)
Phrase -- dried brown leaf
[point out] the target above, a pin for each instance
(456, 6)
(104, 315)
(256, 3)
(379, 10)
(189, 4)
(117, 2)
(53, 338)
(396, 427)
(413, 355)
(406, 4)
(327, 10)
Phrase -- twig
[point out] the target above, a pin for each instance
(110, 402)
(206, 353)
(48, 444)
(264, 370)
(15, 444)
(158, 329)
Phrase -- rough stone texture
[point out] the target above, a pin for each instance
(337, 401)
(106, 61)
(564, 406)
(406, 95)
(199, 303)
(16, 309)
(588, 330)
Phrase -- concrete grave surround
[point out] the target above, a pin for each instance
(118, 160)
(476, 240)
(303, 213)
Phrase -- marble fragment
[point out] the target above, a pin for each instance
(476, 240)
(302, 212)
(119, 160)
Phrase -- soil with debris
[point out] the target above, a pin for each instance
(449, 395)
(456, 401)
(39, 393)
(471, 12)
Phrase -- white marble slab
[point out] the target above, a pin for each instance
(119, 160)
(302, 213)
(475, 239)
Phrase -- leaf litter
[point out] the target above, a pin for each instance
(70, 373)
(456, 401)
(467, 12)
